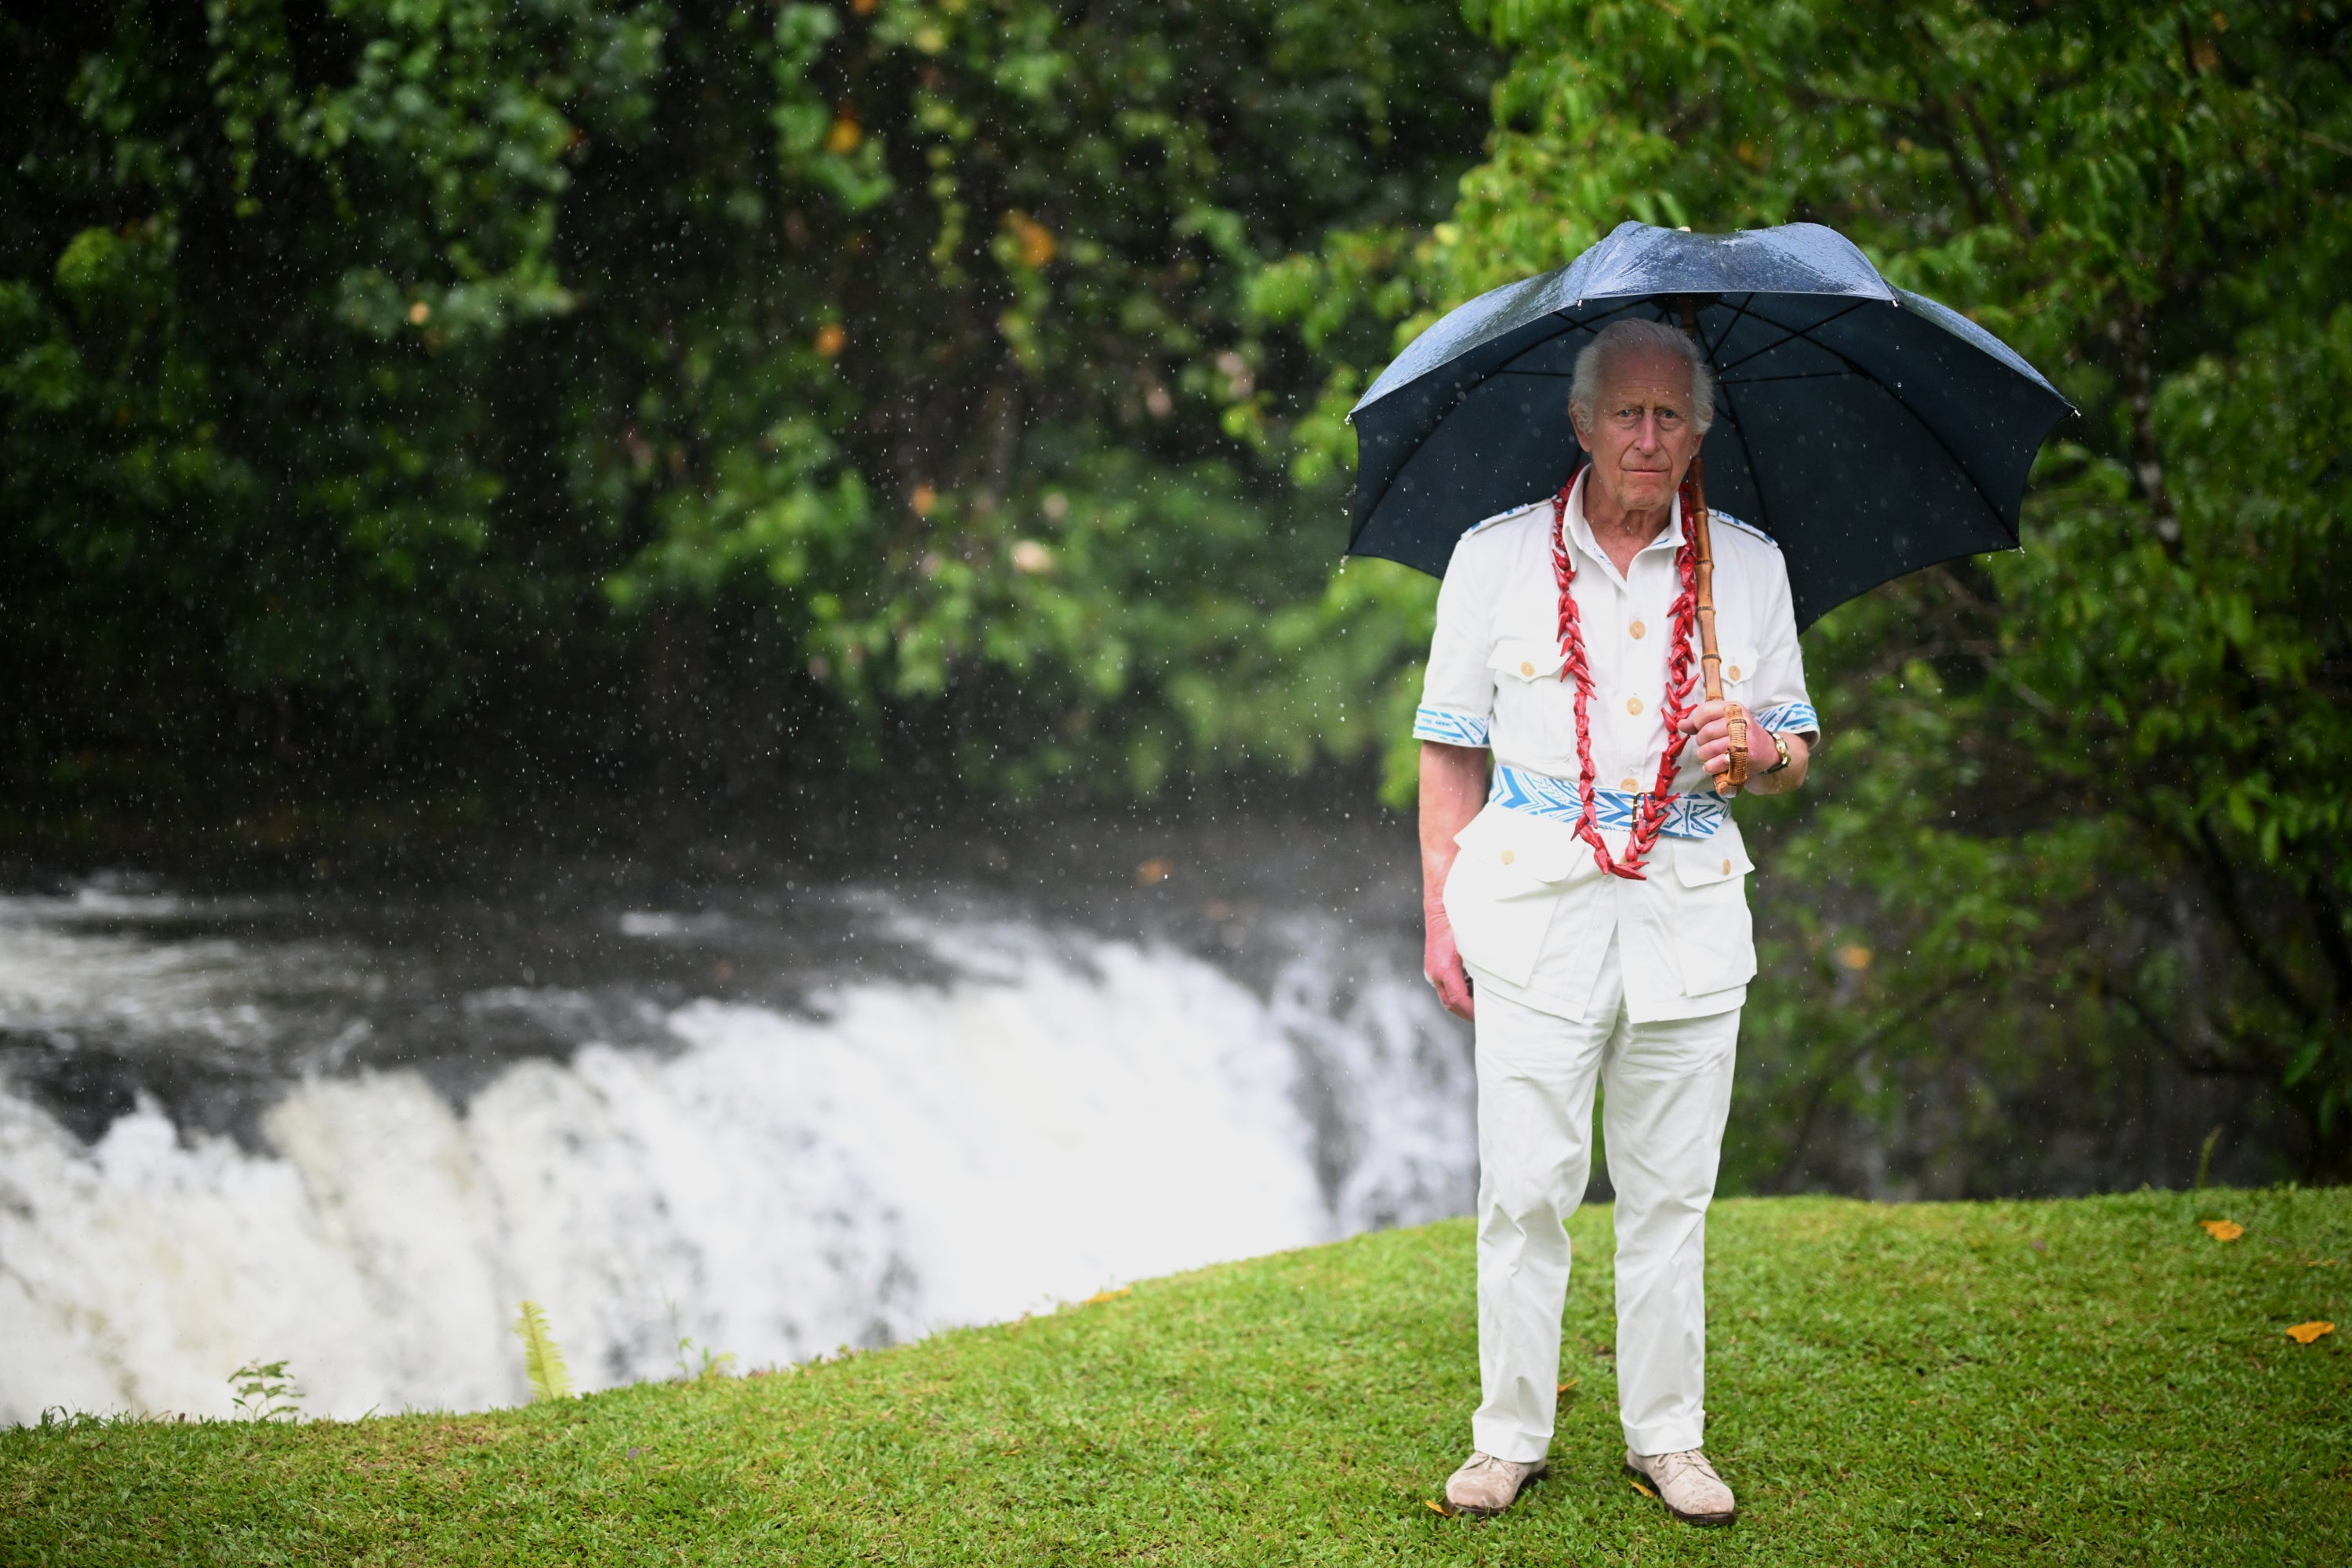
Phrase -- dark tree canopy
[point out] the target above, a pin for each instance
(689, 375)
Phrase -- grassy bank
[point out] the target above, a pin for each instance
(2083, 1382)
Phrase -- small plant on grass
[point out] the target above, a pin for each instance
(266, 1391)
(542, 1363)
(714, 1363)
(2205, 1157)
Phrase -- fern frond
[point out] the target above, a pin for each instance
(542, 1362)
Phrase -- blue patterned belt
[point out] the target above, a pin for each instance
(1691, 815)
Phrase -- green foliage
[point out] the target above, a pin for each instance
(265, 1391)
(2093, 790)
(2078, 1382)
(588, 368)
(543, 1360)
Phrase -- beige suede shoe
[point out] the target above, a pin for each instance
(1487, 1485)
(1687, 1484)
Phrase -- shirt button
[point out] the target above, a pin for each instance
(1637, 629)
(1633, 705)
(1528, 668)
(1733, 673)
(1726, 868)
(1508, 858)
(1630, 784)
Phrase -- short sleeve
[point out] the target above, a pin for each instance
(1780, 702)
(1457, 692)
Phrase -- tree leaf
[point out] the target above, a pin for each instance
(2305, 1334)
(2223, 1229)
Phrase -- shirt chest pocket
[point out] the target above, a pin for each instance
(1738, 671)
(1528, 688)
(1523, 660)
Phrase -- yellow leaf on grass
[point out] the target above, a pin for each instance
(2303, 1333)
(1564, 1387)
(1438, 1508)
(1099, 1296)
(2223, 1229)
(1643, 1490)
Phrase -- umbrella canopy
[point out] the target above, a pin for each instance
(1869, 430)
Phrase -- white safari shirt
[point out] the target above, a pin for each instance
(1532, 911)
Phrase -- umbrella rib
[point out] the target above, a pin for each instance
(1724, 385)
(1738, 315)
(1794, 334)
(1937, 436)
(1763, 506)
(1934, 434)
(1795, 375)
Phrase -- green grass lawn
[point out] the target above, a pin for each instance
(2081, 1381)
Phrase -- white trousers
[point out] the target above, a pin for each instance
(1668, 1092)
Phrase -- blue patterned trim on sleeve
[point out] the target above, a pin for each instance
(1791, 719)
(1448, 728)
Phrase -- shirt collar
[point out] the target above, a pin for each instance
(1580, 531)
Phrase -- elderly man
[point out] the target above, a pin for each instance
(1587, 904)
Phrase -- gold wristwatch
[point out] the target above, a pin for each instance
(1782, 747)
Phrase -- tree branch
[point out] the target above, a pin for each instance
(2205, 847)
(2327, 916)
(2017, 218)
(2202, 1063)
(1820, 1087)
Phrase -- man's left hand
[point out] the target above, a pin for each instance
(1712, 732)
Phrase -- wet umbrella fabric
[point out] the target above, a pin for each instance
(1869, 430)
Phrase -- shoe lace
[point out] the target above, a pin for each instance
(1668, 1465)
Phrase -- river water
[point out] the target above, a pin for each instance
(768, 1112)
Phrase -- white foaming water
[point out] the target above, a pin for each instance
(1063, 1115)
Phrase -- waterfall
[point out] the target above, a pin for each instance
(233, 1131)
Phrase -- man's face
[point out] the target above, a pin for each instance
(1640, 431)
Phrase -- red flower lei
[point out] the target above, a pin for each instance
(1650, 811)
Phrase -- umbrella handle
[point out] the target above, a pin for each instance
(1702, 551)
(1710, 658)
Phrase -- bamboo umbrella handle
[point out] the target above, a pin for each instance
(1710, 658)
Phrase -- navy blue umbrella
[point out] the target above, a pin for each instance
(1869, 430)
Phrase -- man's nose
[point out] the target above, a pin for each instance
(1646, 436)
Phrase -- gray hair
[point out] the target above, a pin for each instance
(1628, 335)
